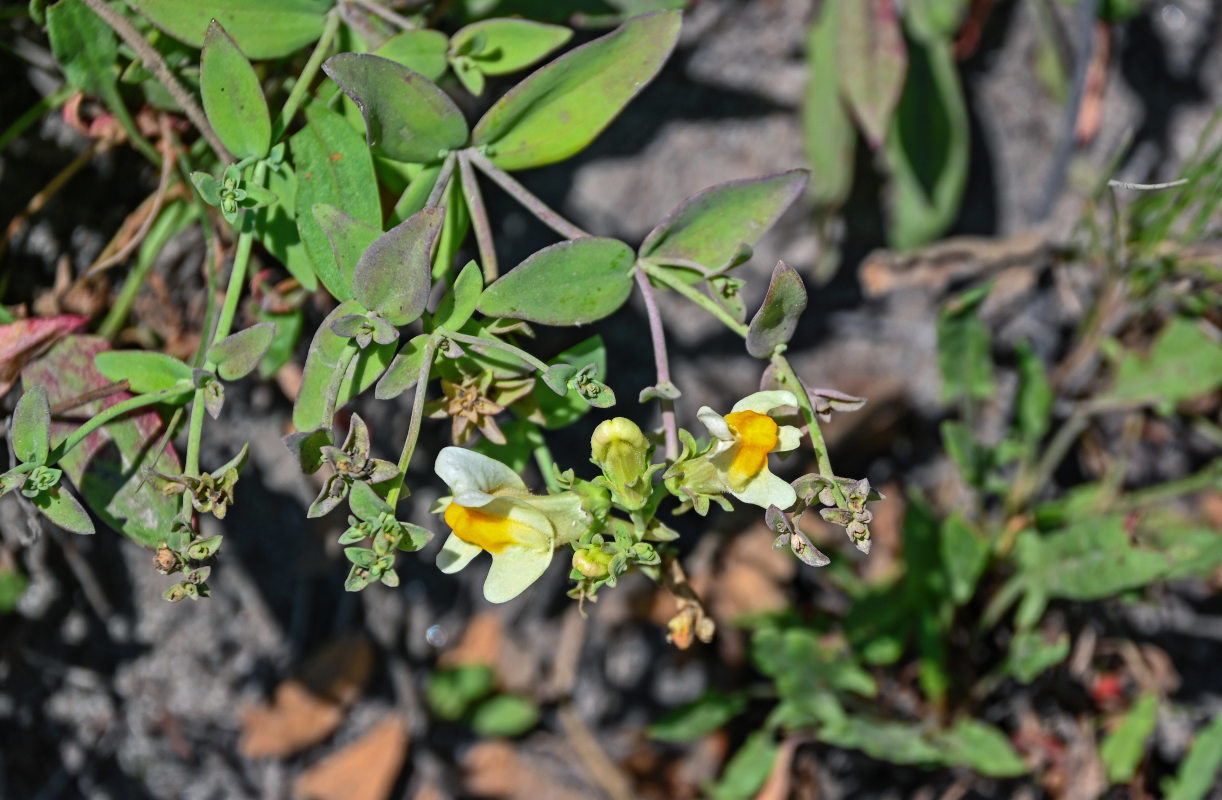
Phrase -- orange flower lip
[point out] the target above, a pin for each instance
(757, 435)
(486, 531)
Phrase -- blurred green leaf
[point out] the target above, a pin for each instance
(1198, 772)
(233, 99)
(31, 430)
(392, 275)
(84, 47)
(870, 47)
(13, 583)
(451, 692)
(1123, 749)
(407, 117)
(262, 29)
(508, 44)
(981, 747)
(777, 319)
(569, 283)
(1184, 362)
(559, 109)
(1031, 653)
(699, 717)
(422, 51)
(1034, 402)
(831, 138)
(934, 19)
(747, 769)
(965, 553)
(504, 715)
(965, 349)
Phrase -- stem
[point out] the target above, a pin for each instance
(152, 59)
(1028, 483)
(661, 363)
(106, 415)
(346, 357)
(413, 427)
(307, 76)
(524, 196)
(790, 378)
(671, 282)
(237, 277)
(543, 458)
(478, 342)
(386, 14)
(479, 219)
(443, 182)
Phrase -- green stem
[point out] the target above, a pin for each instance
(508, 348)
(671, 282)
(543, 458)
(413, 427)
(108, 414)
(790, 379)
(237, 277)
(159, 233)
(285, 117)
(346, 356)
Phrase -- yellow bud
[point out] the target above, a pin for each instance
(592, 562)
(619, 447)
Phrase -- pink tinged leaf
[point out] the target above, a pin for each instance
(106, 466)
(24, 340)
(874, 64)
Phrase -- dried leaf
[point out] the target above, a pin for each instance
(364, 770)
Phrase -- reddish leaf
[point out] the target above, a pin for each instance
(873, 63)
(23, 340)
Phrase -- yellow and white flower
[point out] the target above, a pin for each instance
(490, 509)
(744, 438)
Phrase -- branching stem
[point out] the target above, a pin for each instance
(661, 363)
(533, 204)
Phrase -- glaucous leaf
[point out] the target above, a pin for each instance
(407, 117)
(870, 45)
(777, 318)
(422, 51)
(563, 408)
(569, 283)
(333, 168)
(404, 371)
(59, 506)
(233, 99)
(458, 304)
(321, 378)
(144, 372)
(31, 431)
(711, 226)
(348, 238)
(559, 109)
(392, 275)
(237, 355)
(261, 28)
(366, 503)
(507, 45)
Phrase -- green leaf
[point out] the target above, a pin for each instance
(392, 275)
(1198, 772)
(1034, 402)
(239, 353)
(31, 431)
(569, 283)
(710, 226)
(57, 505)
(13, 584)
(503, 716)
(699, 717)
(1184, 362)
(560, 411)
(777, 319)
(964, 349)
(747, 769)
(262, 29)
(870, 43)
(334, 168)
(934, 19)
(802, 664)
(233, 99)
(348, 239)
(84, 47)
(468, 75)
(450, 692)
(458, 304)
(1031, 653)
(366, 503)
(321, 378)
(1123, 749)
(288, 331)
(927, 147)
(407, 117)
(107, 465)
(979, 746)
(559, 109)
(831, 138)
(509, 44)
(964, 556)
(144, 372)
(404, 370)
(422, 51)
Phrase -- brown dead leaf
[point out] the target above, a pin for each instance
(340, 670)
(481, 642)
(496, 769)
(364, 770)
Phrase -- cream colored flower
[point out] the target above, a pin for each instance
(491, 510)
(745, 437)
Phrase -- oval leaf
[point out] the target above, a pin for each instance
(710, 227)
(404, 370)
(508, 44)
(777, 318)
(407, 118)
(238, 354)
(233, 100)
(144, 372)
(422, 51)
(392, 275)
(31, 430)
(869, 38)
(459, 303)
(569, 283)
(64, 510)
(262, 29)
(559, 109)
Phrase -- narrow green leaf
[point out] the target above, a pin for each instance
(144, 372)
(407, 117)
(710, 226)
(233, 99)
(569, 283)
(404, 371)
(392, 275)
(777, 319)
(504, 716)
(508, 44)
(459, 303)
(1033, 406)
(57, 505)
(321, 377)
(747, 769)
(238, 354)
(1198, 772)
(1124, 748)
(964, 349)
(334, 168)
(559, 109)
(831, 138)
(935, 19)
(422, 51)
(699, 717)
(964, 556)
(927, 148)
(262, 28)
(979, 746)
(31, 431)
(870, 42)
(1031, 654)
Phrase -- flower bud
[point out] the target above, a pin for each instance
(592, 562)
(622, 451)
